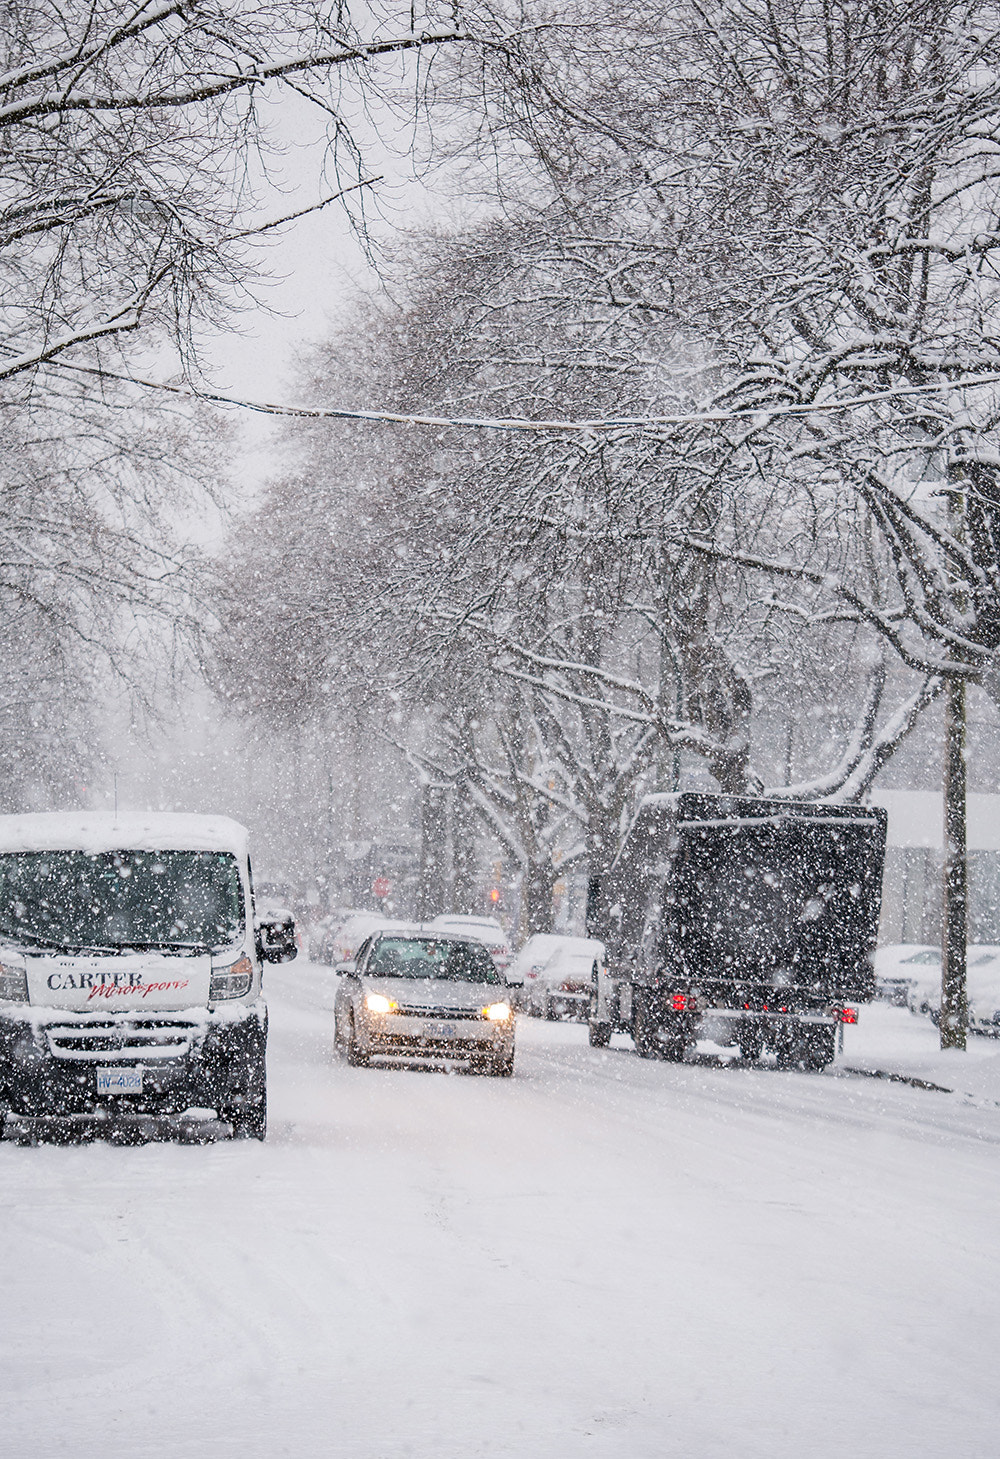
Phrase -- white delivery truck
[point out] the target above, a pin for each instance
(130, 974)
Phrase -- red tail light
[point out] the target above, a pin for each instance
(679, 1002)
(848, 1015)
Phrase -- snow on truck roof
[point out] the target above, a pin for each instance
(96, 831)
(718, 810)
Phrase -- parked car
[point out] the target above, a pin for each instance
(527, 963)
(982, 985)
(486, 930)
(904, 970)
(321, 935)
(277, 927)
(428, 994)
(343, 941)
(561, 986)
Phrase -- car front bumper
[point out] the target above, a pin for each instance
(440, 1034)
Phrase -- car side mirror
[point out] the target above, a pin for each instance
(276, 938)
(347, 967)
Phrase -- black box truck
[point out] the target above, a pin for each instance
(747, 920)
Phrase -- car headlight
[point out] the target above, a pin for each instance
(497, 1012)
(379, 1003)
(231, 982)
(13, 985)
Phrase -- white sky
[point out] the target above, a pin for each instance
(315, 266)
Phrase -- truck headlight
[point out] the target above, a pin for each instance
(379, 1003)
(14, 985)
(231, 982)
(497, 1012)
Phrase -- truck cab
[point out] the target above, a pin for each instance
(130, 975)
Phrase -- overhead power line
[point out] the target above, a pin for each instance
(593, 426)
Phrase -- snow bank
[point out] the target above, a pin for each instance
(892, 1043)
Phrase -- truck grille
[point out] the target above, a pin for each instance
(129, 1040)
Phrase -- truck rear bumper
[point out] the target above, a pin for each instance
(786, 1016)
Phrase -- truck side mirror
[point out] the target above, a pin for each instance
(276, 937)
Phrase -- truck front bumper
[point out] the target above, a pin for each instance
(52, 1063)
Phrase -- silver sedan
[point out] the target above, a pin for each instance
(424, 994)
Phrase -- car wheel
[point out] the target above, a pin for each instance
(357, 1057)
(502, 1067)
(598, 1034)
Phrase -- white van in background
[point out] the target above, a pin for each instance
(130, 974)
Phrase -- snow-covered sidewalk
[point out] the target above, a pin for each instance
(893, 1042)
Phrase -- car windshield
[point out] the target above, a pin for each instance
(121, 899)
(432, 957)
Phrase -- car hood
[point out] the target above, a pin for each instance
(436, 993)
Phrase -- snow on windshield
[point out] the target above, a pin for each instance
(76, 901)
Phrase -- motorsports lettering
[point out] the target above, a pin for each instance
(111, 985)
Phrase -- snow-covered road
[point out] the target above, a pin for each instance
(603, 1256)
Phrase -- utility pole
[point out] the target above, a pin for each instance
(954, 1003)
(955, 931)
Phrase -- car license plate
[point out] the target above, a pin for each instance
(119, 1081)
(440, 1030)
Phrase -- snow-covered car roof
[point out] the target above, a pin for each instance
(475, 927)
(432, 930)
(579, 950)
(96, 831)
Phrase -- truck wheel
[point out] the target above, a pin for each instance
(751, 1042)
(598, 1034)
(356, 1056)
(249, 1117)
(642, 1034)
(820, 1050)
(673, 1048)
(249, 1122)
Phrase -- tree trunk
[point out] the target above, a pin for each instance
(536, 899)
(433, 834)
(463, 852)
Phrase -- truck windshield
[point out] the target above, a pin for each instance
(121, 899)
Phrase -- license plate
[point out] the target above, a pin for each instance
(439, 1030)
(119, 1081)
